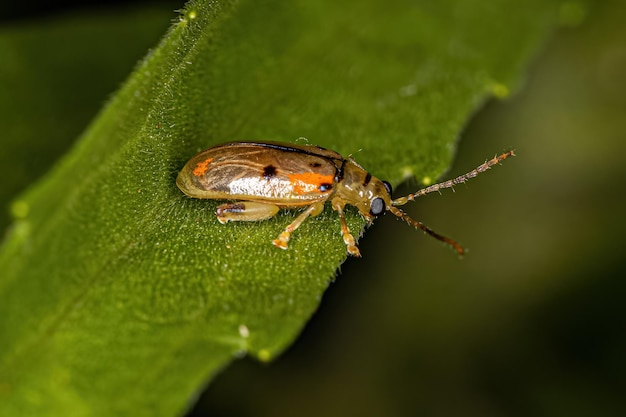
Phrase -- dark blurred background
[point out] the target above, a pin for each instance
(532, 322)
(39, 9)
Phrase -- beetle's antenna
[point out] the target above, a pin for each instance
(419, 225)
(451, 183)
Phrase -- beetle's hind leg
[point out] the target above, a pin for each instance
(283, 238)
(245, 211)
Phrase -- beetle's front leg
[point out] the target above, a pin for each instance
(245, 211)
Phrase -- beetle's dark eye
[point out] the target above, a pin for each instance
(377, 206)
(388, 187)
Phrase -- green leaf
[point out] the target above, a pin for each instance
(120, 296)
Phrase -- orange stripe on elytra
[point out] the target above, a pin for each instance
(309, 182)
(202, 167)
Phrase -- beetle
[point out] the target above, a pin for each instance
(260, 178)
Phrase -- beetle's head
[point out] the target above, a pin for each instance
(378, 197)
(371, 196)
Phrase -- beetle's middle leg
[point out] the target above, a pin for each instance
(245, 211)
(348, 239)
(313, 210)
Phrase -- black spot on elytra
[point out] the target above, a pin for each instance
(315, 165)
(325, 187)
(269, 171)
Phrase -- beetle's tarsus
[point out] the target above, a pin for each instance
(281, 241)
(354, 251)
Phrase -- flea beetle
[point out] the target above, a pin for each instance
(263, 177)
